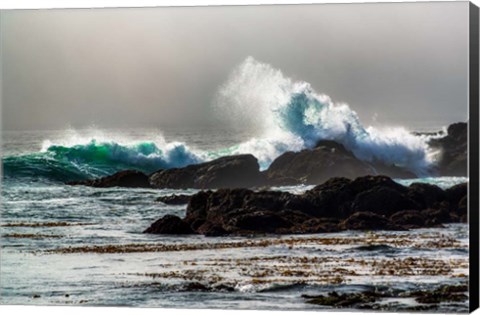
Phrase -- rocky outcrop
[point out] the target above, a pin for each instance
(453, 150)
(129, 178)
(170, 224)
(229, 171)
(327, 160)
(367, 221)
(426, 195)
(366, 203)
(174, 199)
(382, 201)
(409, 219)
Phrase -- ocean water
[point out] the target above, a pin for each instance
(74, 245)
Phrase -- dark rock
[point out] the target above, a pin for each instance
(268, 200)
(176, 178)
(409, 219)
(382, 200)
(257, 220)
(375, 298)
(213, 207)
(280, 180)
(328, 159)
(454, 150)
(330, 199)
(222, 287)
(330, 144)
(445, 293)
(317, 165)
(195, 287)
(224, 172)
(456, 193)
(426, 195)
(367, 221)
(224, 201)
(301, 203)
(435, 217)
(318, 225)
(212, 230)
(129, 178)
(197, 206)
(174, 199)
(366, 203)
(463, 206)
(169, 224)
(360, 299)
(295, 217)
(365, 183)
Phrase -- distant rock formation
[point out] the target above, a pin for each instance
(454, 150)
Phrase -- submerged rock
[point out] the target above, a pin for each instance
(432, 299)
(345, 300)
(445, 293)
(129, 179)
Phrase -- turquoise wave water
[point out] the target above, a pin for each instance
(82, 161)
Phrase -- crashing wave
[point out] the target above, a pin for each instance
(285, 116)
(290, 116)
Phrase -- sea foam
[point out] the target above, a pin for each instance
(290, 116)
(284, 115)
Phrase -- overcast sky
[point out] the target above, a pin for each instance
(405, 64)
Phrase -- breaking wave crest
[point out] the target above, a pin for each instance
(93, 159)
(290, 116)
(285, 116)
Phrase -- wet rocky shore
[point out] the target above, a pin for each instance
(351, 194)
(365, 203)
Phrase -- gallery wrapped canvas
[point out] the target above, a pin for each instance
(263, 157)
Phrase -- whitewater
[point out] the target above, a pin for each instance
(280, 114)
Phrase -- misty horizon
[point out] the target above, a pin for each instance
(393, 64)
